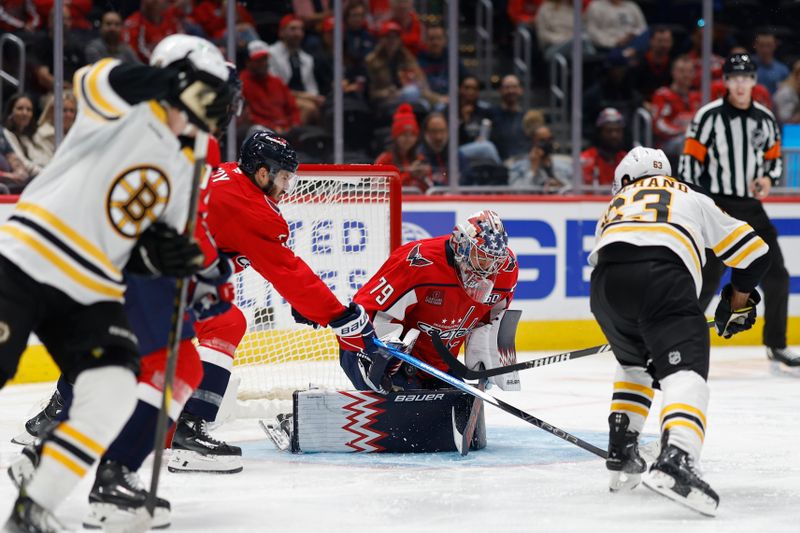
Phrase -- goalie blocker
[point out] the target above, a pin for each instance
(413, 421)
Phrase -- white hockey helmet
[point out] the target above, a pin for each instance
(641, 162)
(203, 91)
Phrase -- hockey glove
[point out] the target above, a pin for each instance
(211, 292)
(205, 99)
(300, 319)
(355, 333)
(162, 251)
(729, 322)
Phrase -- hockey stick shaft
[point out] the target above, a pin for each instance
(472, 422)
(174, 338)
(469, 389)
(459, 369)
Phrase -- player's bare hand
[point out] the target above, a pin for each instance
(760, 187)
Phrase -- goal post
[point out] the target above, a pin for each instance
(344, 220)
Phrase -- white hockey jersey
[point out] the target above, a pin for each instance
(662, 211)
(119, 169)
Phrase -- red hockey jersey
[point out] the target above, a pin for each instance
(248, 225)
(418, 287)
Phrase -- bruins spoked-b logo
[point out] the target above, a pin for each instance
(137, 198)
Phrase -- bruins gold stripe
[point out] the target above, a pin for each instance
(757, 243)
(647, 391)
(684, 407)
(630, 407)
(66, 268)
(669, 231)
(71, 234)
(686, 423)
(94, 91)
(80, 437)
(77, 469)
(732, 236)
(158, 110)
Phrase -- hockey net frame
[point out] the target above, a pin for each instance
(330, 207)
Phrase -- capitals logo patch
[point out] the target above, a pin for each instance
(416, 259)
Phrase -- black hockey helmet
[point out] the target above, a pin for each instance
(739, 64)
(266, 149)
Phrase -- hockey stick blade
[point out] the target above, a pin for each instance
(469, 389)
(459, 369)
(472, 422)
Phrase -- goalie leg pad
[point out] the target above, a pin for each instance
(416, 421)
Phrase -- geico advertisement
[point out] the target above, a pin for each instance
(552, 240)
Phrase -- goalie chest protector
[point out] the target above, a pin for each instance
(415, 421)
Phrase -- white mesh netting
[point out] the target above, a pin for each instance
(340, 222)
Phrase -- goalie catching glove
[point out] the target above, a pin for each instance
(728, 321)
(355, 333)
(162, 251)
(210, 292)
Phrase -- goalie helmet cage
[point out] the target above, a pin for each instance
(344, 220)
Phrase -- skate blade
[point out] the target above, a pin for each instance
(185, 461)
(623, 481)
(697, 501)
(782, 369)
(113, 519)
(23, 439)
(275, 434)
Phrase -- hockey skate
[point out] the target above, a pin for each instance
(279, 430)
(673, 475)
(27, 516)
(36, 426)
(117, 502)
(194, 450)
(784, 360)
(22, 469)
(624, 462)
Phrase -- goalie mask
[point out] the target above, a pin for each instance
(480, 246)
(268, 150)
(202, 91)
(640, 163)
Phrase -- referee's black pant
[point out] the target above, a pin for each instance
(775, 283)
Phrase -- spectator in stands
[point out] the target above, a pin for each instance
(507, 133)
(787, 97)
(523, 11)
(473, 113)
(531, 120)
(19, 16)
(614, 89)
(402, 12)
(13, 176)
(145, 28)
(433, 61)
(770, 71)
(760, 92)
(40, 62)
(673, 108)
(270, 103)
(600, 161)
(211, 16)
(110, 43)
(554, 28)
(45, 135)
(358, 40)
(542, 169)
(394, 74)
(434, 148)
(414, 171)
(19, 132)
(80, 12)
(313, 13)
(296, 68)
(614, 23)
(696, 55)
(653, 68)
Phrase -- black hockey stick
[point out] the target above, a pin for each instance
(469, 389)
(174, 339)
(460, 370)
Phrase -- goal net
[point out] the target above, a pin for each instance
(344, 220)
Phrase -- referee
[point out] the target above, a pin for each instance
(733, 151)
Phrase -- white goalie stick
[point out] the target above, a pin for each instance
(469, 389)
(174, 339)
(460, 370)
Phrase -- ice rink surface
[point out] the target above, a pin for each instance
(525, 480)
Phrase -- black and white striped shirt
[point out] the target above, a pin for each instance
(727, 148)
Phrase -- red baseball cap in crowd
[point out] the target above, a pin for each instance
(288, 19)
(256, 49)
(327, 24)
(390, 26)
(609, 115)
